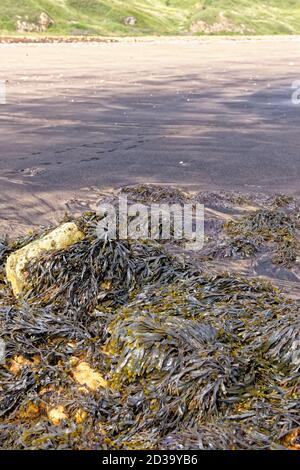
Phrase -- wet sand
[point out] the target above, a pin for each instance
(204, 115)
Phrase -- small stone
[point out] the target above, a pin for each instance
(80, 416)
(59, 239)
(18, 362)
(130, 21)
(87, 377)
(56, 415)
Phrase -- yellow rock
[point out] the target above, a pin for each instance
(56, 415)
(86, 376)
(30, 412)
(291, 439)
(18, 362)
(60, 238)
(80, 416)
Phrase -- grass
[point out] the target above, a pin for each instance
(155, 17)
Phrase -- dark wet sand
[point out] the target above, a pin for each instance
(204, 115)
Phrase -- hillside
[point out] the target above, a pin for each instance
(106, 17)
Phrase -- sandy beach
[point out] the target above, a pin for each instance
(81, 119)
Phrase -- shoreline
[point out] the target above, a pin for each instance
(12, 39)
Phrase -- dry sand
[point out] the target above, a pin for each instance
(204, 115)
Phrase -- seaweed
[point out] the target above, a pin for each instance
(155, 194)
(97, 272)
(273, 227)
(125, 345)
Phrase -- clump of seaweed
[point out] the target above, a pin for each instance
(4, 251)
(237, 247)
(234, 201)
(282, 200)
(223, 200)
(97, 272)
(276, 228)
(155, 194)
(268, 224)
(201, 348)
(241, 226)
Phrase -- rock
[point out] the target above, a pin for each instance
(30, 411)
(130, 21)
(56, 415)
(24, 26)
(89, 378)
(43, 22)
(80, 416)
(60, 238)
(19, 362)
(291, 440)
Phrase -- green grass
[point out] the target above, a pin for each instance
(154, 17)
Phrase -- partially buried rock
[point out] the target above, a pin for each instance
(59, 239)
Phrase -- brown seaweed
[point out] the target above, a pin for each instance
(188, 359)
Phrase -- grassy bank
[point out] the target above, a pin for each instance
(162, 17)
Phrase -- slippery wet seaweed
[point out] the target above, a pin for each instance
(191, 360)
(152, 194)
(97, 271)
(4, 251)
(273, 227)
